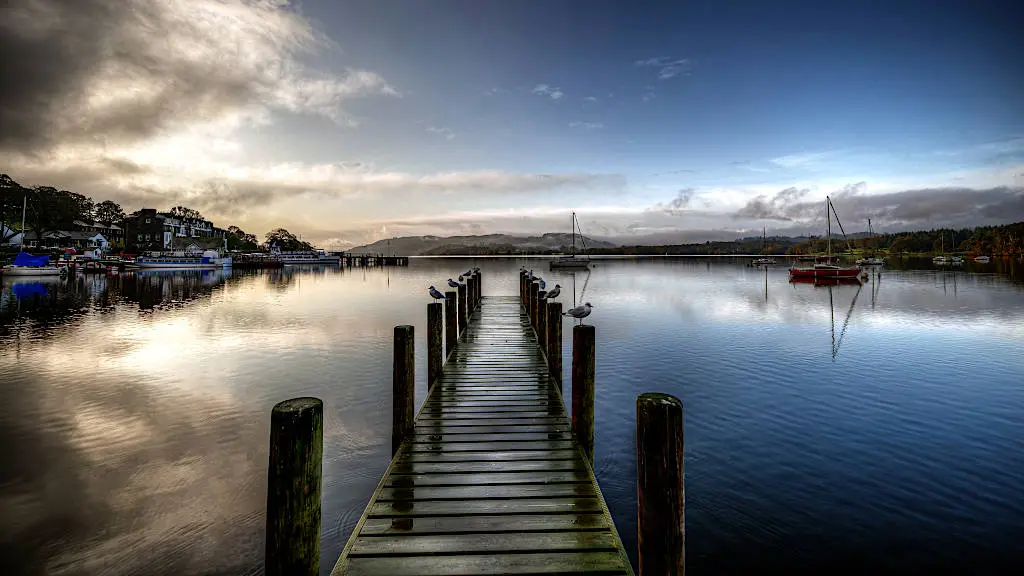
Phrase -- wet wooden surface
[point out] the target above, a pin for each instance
(492, 480)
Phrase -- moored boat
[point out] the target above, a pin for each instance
(28, 265)
(572, 261)
(308, 257)
(825, 270)
(209, 260)
(982, 259)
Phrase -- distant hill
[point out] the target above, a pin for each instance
(477, 245)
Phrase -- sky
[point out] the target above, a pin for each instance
(354, 121)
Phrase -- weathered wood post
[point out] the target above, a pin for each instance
(661, 533)
(463, 315)
(479, 288)
(403, 387)
(542, 316)
(534, 292)
(451, 322)
(554, 342)
(435, 348)
(293, 487)
(469, 295)
(583, 341)
(522, 287)
(474, 282)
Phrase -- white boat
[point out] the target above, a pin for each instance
(764, 260)
(572, 261)
(209, 260)
(33, 271)
(873, 261)
(940, 260)
(308, 257)
(956, 260)
(982, 259)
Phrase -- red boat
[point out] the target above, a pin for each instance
(824, 270)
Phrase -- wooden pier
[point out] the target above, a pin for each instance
(491, 476)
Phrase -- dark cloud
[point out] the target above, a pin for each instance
(59, 53)
(904, 210)
(677, 205)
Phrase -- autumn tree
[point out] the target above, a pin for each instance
(238, 239)
(285, 240)
(109, 212)
(11, 196)
(52, 209)
(186, 213)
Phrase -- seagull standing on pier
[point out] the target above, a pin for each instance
(453, 283)
(555, 292)
(435, 294)
(579, 312)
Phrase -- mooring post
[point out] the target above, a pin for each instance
(554, 342)
(451, 322)
(524, 292)
(463, 316)
(474, 283)
(583, 341)
(661, 533)
(403, 387)
(542, 316)
(293, 487)
(479, 288)
(534, 292)
(435, 350)
(469, 295)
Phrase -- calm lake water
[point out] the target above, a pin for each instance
(864, 428)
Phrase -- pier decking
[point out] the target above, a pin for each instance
(492, 479)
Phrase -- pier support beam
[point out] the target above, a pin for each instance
(554, 342)
(534, 292)
(479, 288)
(583, 358)
(293, 487)
(403, 387)
(463, 314)
(542, 319)
(522, 287)
(661, 534)
(435, 348)
(451, 323)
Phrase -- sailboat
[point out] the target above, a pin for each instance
(942, 258)
(572, 261)
(26, 264)
(872, 260)
(764, 260)
(825, 270)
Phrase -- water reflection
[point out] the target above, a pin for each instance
(134, 409)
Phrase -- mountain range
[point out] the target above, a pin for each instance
(485, 244)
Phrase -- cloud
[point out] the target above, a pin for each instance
(922, 208)
(590, 99)
(668, 67)
(648, 96)
(800, 160)
(677, 205)
(446, 132)
(101, 73)
(586, 125)
(548, 90)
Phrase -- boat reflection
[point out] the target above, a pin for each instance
(834, 286)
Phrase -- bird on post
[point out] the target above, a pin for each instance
(462, 278)
(579, 312)
(476, 269)
(554, 292)
(435, 294)
(453, 283)
(543, 284)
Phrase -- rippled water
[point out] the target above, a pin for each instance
(868, 428)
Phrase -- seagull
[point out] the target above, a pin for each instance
(453, 283)
(555, 292)
(579, 312)
(435, 294)
(461, 277)
(532, 277)
(476, 270)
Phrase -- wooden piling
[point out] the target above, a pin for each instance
(554, 341)
(463, 315)
(479, 288)
(542, 317)
(661, 533)
(534, 292)
(435, 348)
(451, 322)
(522, 287)
(293, 487)
(583, 342)
(403, 387)
(471, 295)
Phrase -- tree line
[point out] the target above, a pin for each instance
(48, 209)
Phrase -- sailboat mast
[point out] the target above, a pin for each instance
(828, 227)
(573, 224)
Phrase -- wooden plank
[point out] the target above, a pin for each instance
(509, 523)
(465, 508)
(504, 446)
(488, 455)
(401, 467)
(487, 478)
(520, 429)
(500, 492)
(594, 563)
(458, 544)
